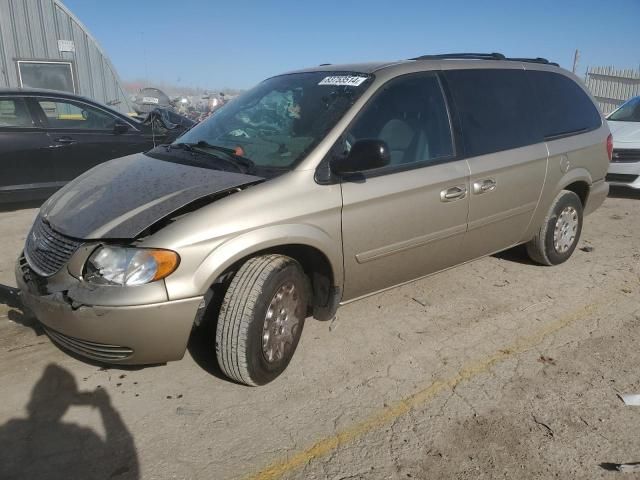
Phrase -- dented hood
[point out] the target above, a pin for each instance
(123, 197)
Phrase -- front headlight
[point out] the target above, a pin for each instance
(129, 266)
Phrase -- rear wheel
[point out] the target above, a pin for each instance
(560, 231)
(261, 319)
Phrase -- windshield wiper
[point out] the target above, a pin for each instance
(230, 152)
(181, 146)
(241, 163)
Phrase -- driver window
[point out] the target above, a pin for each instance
(61, 114)
(410, 115)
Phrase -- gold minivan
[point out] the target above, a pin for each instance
(311, 190)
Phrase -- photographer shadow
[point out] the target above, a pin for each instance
(43, 446)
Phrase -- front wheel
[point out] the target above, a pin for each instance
(261, 319)
(560, 231)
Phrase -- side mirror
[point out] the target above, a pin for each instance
(120, 127)
(365, 154)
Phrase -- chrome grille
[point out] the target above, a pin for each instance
(93, 350)
(625, 155)
(46, 250)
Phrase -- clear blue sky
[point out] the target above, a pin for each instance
(236, 44)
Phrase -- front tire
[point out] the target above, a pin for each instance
(261, 319)
(560, 231)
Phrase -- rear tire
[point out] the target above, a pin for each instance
(560, 231)
(261, 319)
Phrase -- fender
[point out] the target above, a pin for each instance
(254, 241)
(577, 174)
(552, 187)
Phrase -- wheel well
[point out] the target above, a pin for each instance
(581, 189)
(315, 264)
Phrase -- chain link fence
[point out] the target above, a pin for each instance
(612, 87)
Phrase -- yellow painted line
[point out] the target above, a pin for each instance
(419, 398)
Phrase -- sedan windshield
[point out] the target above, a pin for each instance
(628, 112)
(277, 123)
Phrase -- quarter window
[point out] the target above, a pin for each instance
(496, 109)
(565, 108)
(410, 115)
(62, 114)
(14, 113)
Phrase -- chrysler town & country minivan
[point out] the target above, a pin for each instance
(313, 189)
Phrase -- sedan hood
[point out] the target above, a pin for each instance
(123, 197)
(625, 132)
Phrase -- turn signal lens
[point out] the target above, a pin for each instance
(167, 262)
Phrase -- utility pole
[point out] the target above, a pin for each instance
(576, 57)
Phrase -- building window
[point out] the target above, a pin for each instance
(45, 74)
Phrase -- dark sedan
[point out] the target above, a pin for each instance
(48, 138)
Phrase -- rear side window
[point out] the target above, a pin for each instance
(14, 113)
(496, 108)
(565, 108)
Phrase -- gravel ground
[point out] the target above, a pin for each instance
(495, 369)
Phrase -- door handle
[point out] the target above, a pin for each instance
(454, 193)
(484, 186)
(65, 140)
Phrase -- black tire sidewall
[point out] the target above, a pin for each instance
(567, 199)
(260, 370)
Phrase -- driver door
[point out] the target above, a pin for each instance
(408, 219)
(81, 136)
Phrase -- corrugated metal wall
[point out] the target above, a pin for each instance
(612, 87)
(30, 30)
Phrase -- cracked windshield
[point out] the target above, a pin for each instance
(275, 124)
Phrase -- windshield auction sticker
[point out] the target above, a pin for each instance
(339, 80)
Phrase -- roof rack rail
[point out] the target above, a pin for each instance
(533, 60)
(462, 56)
(483, 56)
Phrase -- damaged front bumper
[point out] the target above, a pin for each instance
(107, 330)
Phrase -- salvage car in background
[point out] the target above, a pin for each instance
(166, 125)
(149, 98)
(624, 123)
(48, 138)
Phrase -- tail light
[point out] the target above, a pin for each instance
(610, 147)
